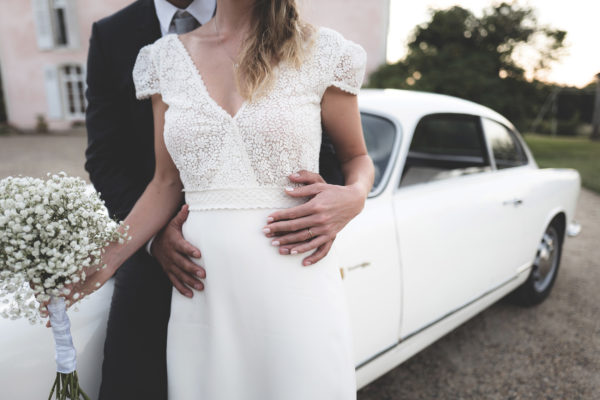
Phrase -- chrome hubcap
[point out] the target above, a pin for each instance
(546, 260)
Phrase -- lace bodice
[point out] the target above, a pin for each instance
(243, 161)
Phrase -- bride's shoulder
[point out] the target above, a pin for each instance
(329, 42)
(157, 51)
(326, 36)
(161, 42)
(149, 66)
(340, 61)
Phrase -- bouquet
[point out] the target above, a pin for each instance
(51, 232)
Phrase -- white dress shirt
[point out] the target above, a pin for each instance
(202, 10)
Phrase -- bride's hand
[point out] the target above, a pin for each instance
(95, 277)
(329, 209)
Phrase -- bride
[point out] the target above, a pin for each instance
(239, 105)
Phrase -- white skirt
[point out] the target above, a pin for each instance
(264, 327)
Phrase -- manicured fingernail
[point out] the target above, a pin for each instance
(269, 219)
(275, 243)
(188, 295)
(199, 273)
(296, 175)
(197, 254)
(266, 230)
(294, 252)
(289, 189)
(307, 263)
(284, 251)
(198, 287)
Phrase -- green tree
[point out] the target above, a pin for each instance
(459, 54)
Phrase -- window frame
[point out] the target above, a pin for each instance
(394, 156)
(62, 82)
(485, 150)
(514, 135)
(57, 29)
(47, 25)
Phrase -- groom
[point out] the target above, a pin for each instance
(120, 161)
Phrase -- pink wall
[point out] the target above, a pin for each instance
(363, 21)
(22, 63)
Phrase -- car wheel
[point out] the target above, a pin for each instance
(544, 269)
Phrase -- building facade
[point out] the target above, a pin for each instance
(44, 44)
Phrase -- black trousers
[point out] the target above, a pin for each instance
(134, 365)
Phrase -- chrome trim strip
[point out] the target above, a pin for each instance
(368, 360)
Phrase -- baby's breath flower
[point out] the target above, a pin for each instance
(49, 230)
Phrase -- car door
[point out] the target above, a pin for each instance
(513, 178)
(449, 220)
(367, 252)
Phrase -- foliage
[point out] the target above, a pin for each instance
(41, 125)
(459, 54)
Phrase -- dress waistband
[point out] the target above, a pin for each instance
(240, 198)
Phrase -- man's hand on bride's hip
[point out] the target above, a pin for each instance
(172, 252)
(314, 224)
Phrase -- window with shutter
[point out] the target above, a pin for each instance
(43, 24)
(56, 23)
(72, 80)
(59, 22)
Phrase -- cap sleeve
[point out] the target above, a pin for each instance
(349, 67)
(145, 73)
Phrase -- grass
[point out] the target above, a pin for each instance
(568, 152)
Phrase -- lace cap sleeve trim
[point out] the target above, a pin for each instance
(349, 71)
(348, 62)
(145, 73)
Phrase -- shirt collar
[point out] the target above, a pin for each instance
(202, 10)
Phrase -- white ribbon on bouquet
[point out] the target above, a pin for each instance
(66, 355)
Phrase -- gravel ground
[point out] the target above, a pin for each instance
(35, 155)
(551, 351)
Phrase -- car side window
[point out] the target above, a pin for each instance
(445, 146)
(506, 149)
(379, 134)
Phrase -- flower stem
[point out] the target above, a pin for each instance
(66, 386)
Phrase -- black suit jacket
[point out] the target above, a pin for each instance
(120, 152)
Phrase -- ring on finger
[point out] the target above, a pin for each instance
(310, 234)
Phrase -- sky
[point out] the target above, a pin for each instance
(580, 18)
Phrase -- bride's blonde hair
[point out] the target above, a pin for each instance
(277, 34)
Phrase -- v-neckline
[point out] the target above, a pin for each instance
(197, 73)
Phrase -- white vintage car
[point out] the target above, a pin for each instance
(460, 216)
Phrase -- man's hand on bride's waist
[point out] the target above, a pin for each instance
(173, 253)
(313, 225)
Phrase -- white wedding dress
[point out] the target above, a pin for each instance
(265, 327)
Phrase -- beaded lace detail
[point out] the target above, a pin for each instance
(251, 154)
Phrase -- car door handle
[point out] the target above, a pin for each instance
(514, 202)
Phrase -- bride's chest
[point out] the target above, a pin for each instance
(290, 108)
(289, 112)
